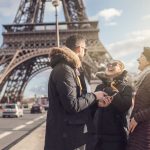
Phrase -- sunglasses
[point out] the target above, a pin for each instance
(112, 64)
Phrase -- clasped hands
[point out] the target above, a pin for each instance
(103, 99)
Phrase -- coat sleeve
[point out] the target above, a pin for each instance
(99, 87)
(144, 114)
(122, 101)
(67, 91)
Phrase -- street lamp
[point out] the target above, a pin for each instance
(55, 4)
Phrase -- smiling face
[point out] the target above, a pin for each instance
(143, 62)
(114, 69)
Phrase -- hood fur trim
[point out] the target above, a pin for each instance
(67, 54)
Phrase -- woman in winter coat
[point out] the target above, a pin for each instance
(110, 116)
(139, 127)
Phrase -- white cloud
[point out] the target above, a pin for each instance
(111, 23)
(109, 14)
(39, 88)
(51, 8)
(129, 49)
(49, 14)
(147, 17)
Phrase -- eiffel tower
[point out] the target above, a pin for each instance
(28, 41)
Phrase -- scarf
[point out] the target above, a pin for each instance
(141, 77)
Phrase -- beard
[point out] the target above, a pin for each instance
(81, 58)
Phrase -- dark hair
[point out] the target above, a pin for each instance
(146, 53)
(73, 41)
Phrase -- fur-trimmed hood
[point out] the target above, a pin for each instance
(64, 55)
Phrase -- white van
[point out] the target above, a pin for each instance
(12, 110)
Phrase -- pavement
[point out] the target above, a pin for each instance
(33, 141)
(0, 112)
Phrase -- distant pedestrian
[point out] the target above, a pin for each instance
(139, 128)
(68, 113)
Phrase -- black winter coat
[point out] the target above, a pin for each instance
(68, 112)
(110, 121)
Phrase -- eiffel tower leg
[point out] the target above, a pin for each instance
(34, 40)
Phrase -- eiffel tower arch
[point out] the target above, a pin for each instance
(28, 41)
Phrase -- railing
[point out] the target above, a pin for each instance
(49, 26)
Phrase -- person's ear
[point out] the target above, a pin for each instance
(78, 50)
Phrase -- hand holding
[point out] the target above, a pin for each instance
(132, 125)
(100, 95)
(105, 102)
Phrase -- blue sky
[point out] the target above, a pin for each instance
(124, 26)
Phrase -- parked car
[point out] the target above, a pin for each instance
(1, 106)
(37, 108)
(46, 106)
(26, 106)
(12, 110)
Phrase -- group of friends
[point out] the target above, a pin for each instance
(111, 118)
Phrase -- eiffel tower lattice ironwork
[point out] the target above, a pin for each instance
(28, 41)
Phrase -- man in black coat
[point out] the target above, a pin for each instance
(68, 112)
